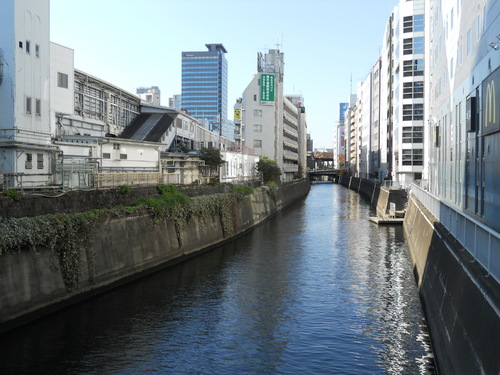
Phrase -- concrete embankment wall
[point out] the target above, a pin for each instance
(461, 302)
(119, 249)
(379, 197)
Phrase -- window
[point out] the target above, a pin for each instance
(62, 80)
(413, 134)
(478, 27)
(28, 45)
(413, 112)
(37, 107)
(28, 104)
(413, 68)
(39, 161)
(412, 157)
(413, 45)
(418, 45)
(20, 44)
(257, 128)
(257, 112)
(37, 50)
(484, 18)
(413, 90)
(469, 42)
(29, 159)
(257, 143)
(123, 156)
(413, 23)
(459, 54)
(106, 155)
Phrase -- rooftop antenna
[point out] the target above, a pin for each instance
(350, 89)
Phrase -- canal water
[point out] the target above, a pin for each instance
(316, 290)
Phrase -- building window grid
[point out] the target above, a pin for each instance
(413, 134)
(413, 157)
(413, 90)
(413, 23)
(413, 112)
(413, 45)
(413, 67)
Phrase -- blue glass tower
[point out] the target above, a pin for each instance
(204, 86)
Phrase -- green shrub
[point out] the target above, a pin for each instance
(245, 190)
(124, 189)
(14, 194)
(166, 189)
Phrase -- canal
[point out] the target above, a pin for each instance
(316, 290)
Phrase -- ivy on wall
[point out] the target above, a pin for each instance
(69, 235)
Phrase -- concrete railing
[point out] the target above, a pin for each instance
(479, 240)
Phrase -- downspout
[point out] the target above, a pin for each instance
(1, 66)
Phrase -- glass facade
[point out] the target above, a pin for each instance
(204, 86)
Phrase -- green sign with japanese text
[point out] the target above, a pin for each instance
(267, 87)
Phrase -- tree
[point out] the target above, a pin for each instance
(268, 169)
(213, 160)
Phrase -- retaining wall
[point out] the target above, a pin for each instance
(122, 249)
(461, 303)
(379, 197)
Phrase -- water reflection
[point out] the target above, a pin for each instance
(319, 290)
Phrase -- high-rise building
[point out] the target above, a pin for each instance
(409, 116)
(204, 88)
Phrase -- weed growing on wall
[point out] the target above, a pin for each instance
(14, 194)
(68, 235)
(65, 234)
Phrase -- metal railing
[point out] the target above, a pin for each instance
(113, 180)
(479, 240)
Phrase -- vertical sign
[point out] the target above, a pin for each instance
(237, 114)
(470, 114)
(491, 103)
(267, 87)
(342, 109)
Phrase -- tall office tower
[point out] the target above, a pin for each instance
(204, 87)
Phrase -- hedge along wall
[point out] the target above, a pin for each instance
(51, 261)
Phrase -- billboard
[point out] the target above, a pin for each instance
(342, 109)
(237, 114)
(267, 87)
(491, 103)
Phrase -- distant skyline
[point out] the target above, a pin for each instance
(138, 44)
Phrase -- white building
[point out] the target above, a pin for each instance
(410, 115)
(364, 104)
(151, 94)
(271, 123)
(26, 152)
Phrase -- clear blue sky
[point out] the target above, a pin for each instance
(132, 43)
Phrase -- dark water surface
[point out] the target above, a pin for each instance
(316, 290)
